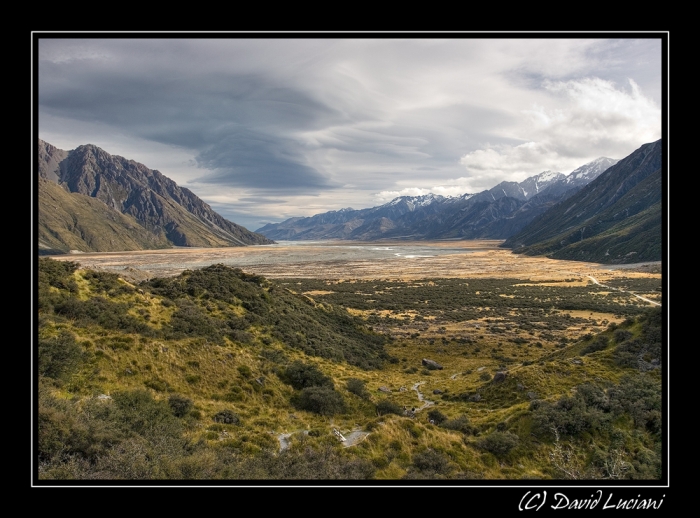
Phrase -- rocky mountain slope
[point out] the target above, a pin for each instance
(614, 219)
(92, 201)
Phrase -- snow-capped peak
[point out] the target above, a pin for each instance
(591, 170)
(547, 176)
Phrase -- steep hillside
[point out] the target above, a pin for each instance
(78, 222)
(166, 213)
(614, 219)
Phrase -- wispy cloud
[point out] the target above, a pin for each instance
(307, 125)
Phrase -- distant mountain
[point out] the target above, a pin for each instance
(614, 219)
(92, 201)
(496, 213)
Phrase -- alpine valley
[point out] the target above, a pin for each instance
(542, 366)
(605, 211)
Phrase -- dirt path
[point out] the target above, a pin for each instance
(354, 437)
(622, 291)
(426, 402)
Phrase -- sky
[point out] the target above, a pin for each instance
(266, 128)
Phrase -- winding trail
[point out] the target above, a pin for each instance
(426, 402)
(283, 439)
(354, 437)
(623, 291)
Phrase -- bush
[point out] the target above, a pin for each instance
(322, 400)
(387, 407)
(227, 417)
(599, 344)
(499, 443)
(139, 413)
(437, 417)
(58, 274)
(459, 424)
(621, 335)
(180, 405)
(301, 376)
(432, 462)
(357, 387)
(59, 356)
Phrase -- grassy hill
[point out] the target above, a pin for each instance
(208, 374)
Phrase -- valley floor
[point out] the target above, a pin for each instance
(357, 260)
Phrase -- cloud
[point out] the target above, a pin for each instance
(318, 124)
(599, 115)
(251, 159)
(454, 187)
(585, 116)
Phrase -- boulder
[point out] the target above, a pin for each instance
(431, 364)
(499, 377)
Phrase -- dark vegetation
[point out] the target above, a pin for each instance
(328, 332)
(357, 387)
(608, 427)
(456, 300)
(623, 419)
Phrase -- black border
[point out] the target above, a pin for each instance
(533, 495)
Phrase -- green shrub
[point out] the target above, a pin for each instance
(180, 405)
(437, 417)
(227, 417)
(459, 424)
(357, 387)
(245, 371)
(59, 356)
(139, 413)
(300, 375)
(600, 343)
(58, 274)
(157, 384)
(322, 400)
(621, 335)
(499, 443)
(432, 462)
(387, 407)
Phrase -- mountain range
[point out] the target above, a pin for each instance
(497, 213)
(91, 201)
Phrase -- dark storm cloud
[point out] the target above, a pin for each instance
(237, 123)
(317, 124)
(251, 159)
